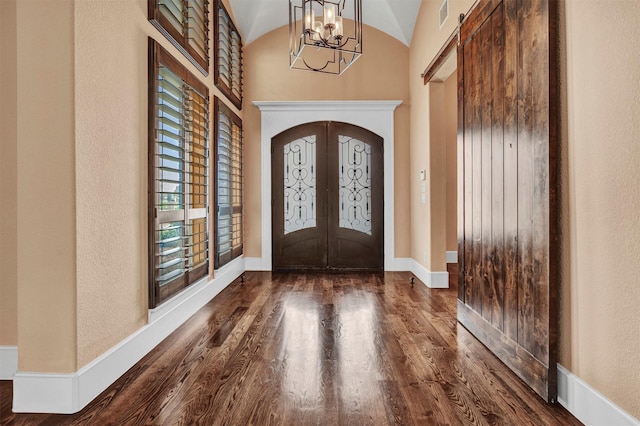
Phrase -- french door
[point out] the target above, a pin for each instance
(328, 198)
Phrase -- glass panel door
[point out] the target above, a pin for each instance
(354, 182)
(328, 198)
(300, 184)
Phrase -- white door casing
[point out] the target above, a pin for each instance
(375, 116)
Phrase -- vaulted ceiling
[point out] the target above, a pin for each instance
(257, 17)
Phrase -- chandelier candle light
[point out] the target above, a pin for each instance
(318, 39)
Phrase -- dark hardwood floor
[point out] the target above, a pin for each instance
(301, 349)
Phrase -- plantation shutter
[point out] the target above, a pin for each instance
(229, 229)
(198, 27)
(170, 191)
(228, 70)
(236, 66)
(179, 170)
(185, 23)
(224, 49)
(174, 12)
(197, 159)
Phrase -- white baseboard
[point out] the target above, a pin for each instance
(255, 264)
(587, 404)
(452, 257)
(8, 362)
(69, 393)
(259, 264)
(202, 291)
(401, 264)
(429, 278)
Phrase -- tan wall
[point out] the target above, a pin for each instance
(8, 174)
(451, 138)
(380, 74)
(111, 137)
(81, 179)
(46, 268)
(600, 300)
(436, 183)
(428, 148)
(111, 153)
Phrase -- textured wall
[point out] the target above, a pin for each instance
(111, 184)
(379, 74)
(46, 268)
(81, 171)
(600, 308)
(8, 175)
(111, 176)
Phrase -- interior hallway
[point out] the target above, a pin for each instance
(303, 349)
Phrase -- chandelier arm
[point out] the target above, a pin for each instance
(315, 69)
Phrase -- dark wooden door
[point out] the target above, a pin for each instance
(328, 198)
(508, 232)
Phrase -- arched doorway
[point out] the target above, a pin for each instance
(328, 198)
(277, 116)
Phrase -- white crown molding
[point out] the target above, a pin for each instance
(340, 106)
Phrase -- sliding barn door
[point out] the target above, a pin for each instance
(508, 241)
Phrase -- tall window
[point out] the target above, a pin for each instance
(228, 195)
(186, 24)
(228, 56)
(178, 175)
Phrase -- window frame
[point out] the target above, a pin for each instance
(159, 56)
(226, 89)
(181, 41)
(221, 259)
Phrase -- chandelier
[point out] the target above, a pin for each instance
(318, 38)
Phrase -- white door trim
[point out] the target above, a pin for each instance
(375, 116)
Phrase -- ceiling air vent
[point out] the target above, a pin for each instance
(444, 12)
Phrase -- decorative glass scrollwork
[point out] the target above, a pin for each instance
(354, 182)
(300, 184)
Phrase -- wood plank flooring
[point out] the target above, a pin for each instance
(310, 349)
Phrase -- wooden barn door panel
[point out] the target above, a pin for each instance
(507, 164)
